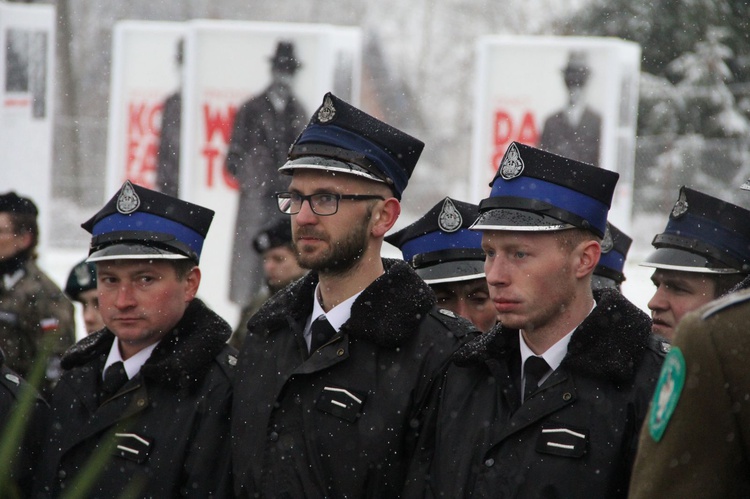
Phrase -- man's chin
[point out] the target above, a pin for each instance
(663, 331)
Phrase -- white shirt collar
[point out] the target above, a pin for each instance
(337, 316)
(554, 354)
(133, 364)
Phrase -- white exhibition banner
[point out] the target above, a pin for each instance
(26, 106)
(145, 72)
(574, 96)
(224, 64)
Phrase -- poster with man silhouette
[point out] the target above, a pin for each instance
(250, 89)
(26, 104)
(144, 128)
(177, 88)
(576, 97)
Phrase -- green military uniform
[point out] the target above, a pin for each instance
(33, 308)
(696, 440)
(239, 334)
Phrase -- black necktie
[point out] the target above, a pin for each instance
(534, 370)
(320, 332)
(114, 377)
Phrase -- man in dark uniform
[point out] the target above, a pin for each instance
(264, 128)
(449, 257)
(150, 394)
(33, 309)
(702, 254)
(280, 268)
(696, 440)
(32, 418)
(550, 401)
(609, 271)
(335, 367)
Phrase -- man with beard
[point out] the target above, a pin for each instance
(703, 253)
(550, 401)
(33, 309)
(264, 128)
(336, 367)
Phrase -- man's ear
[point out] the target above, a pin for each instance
(384, 216)
(193, 280)
(26, 239)
(588, 253)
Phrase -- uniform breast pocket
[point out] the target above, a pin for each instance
(133, 447)
(341, 402)
(564, 441)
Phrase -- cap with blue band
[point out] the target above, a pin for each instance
(703, 234)
(440, 247)
(342, 138)
(615, 247)
(535, 190)
(138, 223)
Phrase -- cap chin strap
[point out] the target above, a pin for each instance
(339, 154)
(538, 207)
(721, 258)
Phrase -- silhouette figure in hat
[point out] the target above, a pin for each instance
(264, 128)
(574, 130)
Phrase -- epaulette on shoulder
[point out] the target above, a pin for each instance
(458, 325)
(725, 302)
(659, 345)
(227, 359)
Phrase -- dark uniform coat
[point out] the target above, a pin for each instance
(704, 450)
(342, 421)
(176, 411)
(574, 437)
(260, 140)
(36, 420)
(34, 309)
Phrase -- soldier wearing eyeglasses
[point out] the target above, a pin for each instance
(336, 367)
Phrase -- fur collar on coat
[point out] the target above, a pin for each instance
(387, 313)
(182, 357)
(608, 344)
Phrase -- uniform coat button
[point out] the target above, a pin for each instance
(61, 474)
(489, 463)
(273, 436)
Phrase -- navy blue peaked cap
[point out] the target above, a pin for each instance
(138, 223)
(10, 202)
(277, 233)
(615, 247)
(82, 278)
(535, 190)
(342, 138)
(703, 234)
(440, 246)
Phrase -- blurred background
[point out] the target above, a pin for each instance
(418, 69)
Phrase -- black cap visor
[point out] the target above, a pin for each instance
(328, 164)
(455, 271)
(678, 259)
(509, 219)
(132, 251)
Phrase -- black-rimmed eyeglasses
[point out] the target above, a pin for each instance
(323, 204)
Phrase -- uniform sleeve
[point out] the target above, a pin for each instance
(57, 325)
(698, 444)
(208, 470)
